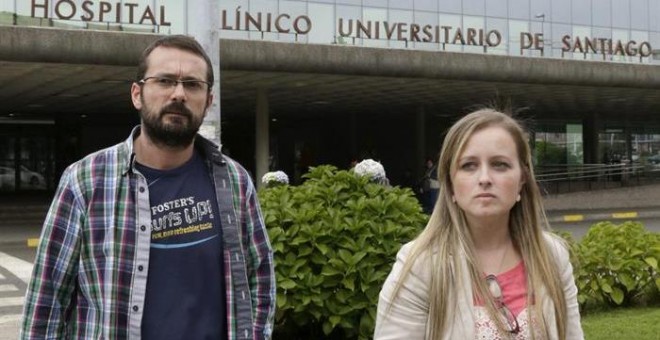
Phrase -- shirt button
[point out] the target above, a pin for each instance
(141, 189)
(143, 228)
(136, 308)
(140, 268)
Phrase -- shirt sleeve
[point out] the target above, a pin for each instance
(49, 295)
(261, 274)
(406, 316)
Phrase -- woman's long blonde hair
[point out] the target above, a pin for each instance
(448, 238)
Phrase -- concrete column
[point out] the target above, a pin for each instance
(262, 151)
(591, 126)
(203, 22)
(420, 132)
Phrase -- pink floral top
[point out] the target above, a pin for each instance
(514, 293)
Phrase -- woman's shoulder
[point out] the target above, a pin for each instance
(556, 245)
(420, 259)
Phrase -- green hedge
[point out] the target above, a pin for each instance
(617, 265)
(335, 238)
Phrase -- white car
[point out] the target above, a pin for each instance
(29, 179)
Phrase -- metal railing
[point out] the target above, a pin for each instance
(565, 178)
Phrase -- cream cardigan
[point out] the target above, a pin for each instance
(408, 317)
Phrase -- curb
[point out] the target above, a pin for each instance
(618, 215)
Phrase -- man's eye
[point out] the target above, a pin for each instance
(193, 85)
(166, 81)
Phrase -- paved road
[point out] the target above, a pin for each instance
(16, 257)
(15, 269)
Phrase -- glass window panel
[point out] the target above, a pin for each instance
(639, 12)
(450, 6)
(348, 15)
(639, 37)
(475, 23)
(654, 20)
(540, 9)
(622, 35)
(579, 33)
(375, 3)
(323, 19)
(602, 13)
(173, 14)
(423, 19)
(515, 28)
(500, 25)
(8, 6)
(558, 32)
(474, 7)
(371, 18)
(519, 9)
(496, 8)
(293, 9)
(451, 22)
(654, 40)
(621, 13)
(402, 4)
(603, 33)
(401, 36)
(581, 12)
(348, 2)
(561, 11)
(426, 5)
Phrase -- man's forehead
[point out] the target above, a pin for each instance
(162, 56)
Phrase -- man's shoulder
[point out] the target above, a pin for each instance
(111, 156)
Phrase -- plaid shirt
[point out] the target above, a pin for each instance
(89, 280)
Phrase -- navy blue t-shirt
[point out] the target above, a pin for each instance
(185, 296)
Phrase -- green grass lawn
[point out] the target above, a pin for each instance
(633, 323)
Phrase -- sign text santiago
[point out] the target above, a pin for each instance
(135, 13)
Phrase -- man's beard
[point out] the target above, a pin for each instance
(179, 134)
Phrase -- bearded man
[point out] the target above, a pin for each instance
(158, 237)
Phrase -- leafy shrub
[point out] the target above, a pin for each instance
(617, 263)
(335, 238)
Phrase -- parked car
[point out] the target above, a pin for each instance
(653, 160)
(29, 179)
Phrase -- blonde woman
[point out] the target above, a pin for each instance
(484, 267)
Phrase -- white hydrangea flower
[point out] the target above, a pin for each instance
(372, 169)
(274, 177)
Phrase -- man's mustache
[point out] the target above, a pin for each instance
(177, 107)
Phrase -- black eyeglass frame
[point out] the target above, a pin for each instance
(511, 319)
(173, 83)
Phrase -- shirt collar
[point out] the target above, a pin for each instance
(209, 149)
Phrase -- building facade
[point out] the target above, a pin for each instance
(328, 81)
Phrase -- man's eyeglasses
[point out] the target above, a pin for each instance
(496, 291)
(191, 86)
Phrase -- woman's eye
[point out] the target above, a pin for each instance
(501, 165)
(468, 166)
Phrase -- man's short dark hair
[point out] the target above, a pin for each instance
(181, 42)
